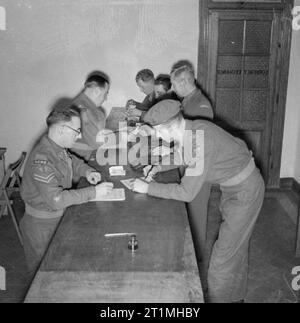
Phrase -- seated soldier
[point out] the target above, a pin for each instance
(47, 181)
(162, 91)
(211, 154)
(145, 81)
(162, 88)
(93, 115)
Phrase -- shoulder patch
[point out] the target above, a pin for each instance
(40, 159)
(40, 162)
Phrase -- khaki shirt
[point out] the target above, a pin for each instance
(47, 180)
(222, 158)
(147, 103)
(196, 105)
(93, 120)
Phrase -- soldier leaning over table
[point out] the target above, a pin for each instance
(93, 115)
(47, 181)
(218, 159)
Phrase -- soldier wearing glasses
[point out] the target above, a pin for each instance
(47, 182)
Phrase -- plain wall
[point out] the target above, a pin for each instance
(50, 46)
(290, 161)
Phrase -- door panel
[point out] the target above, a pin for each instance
(242, 56)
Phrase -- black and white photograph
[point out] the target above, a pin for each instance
(149, 154)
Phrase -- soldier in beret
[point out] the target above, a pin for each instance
(210, 154)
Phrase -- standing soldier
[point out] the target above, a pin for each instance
(195, 105)
(220, 159)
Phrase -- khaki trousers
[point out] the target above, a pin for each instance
(228, 267)
(37, 234)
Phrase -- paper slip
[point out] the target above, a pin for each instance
(148, 180)
(117, 171)
(117, 194)
(128, 183)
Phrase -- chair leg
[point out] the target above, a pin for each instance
(298, 234)
(12, 214)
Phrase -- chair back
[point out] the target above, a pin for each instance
(12, 175)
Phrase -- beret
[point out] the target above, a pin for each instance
(162, 112)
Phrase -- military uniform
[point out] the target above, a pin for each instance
(168, 96)
(93, 120)
(147, 102)
(46, 184)
(195, 106)
(226, 161)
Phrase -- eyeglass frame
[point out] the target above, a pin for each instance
(78, 132)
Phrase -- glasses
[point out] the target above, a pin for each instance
(78, 132)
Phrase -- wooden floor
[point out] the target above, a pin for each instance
(271, 252)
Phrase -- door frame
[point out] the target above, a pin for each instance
(206, 8)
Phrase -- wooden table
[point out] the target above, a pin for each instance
(81, 265)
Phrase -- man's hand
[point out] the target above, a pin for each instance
(134, 112)
(140, 186)
(131, 104)
(103, 189)
(146, 130)
(149, 173)
(93, 177)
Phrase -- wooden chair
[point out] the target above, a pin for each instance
(11, 183)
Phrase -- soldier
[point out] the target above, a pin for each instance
(93, 115)
(145, 82)
(162, 91)
(47, 181)
(194, 106)
(220, 159)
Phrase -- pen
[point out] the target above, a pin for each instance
(149, 171)
(110, 235)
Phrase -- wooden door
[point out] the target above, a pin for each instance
(243, 79)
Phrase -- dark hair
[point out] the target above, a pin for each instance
(185, 64)
(62, 114)
(164, 80)
(96, 79)
(144, 75)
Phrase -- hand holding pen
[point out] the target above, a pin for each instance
(150, 171)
